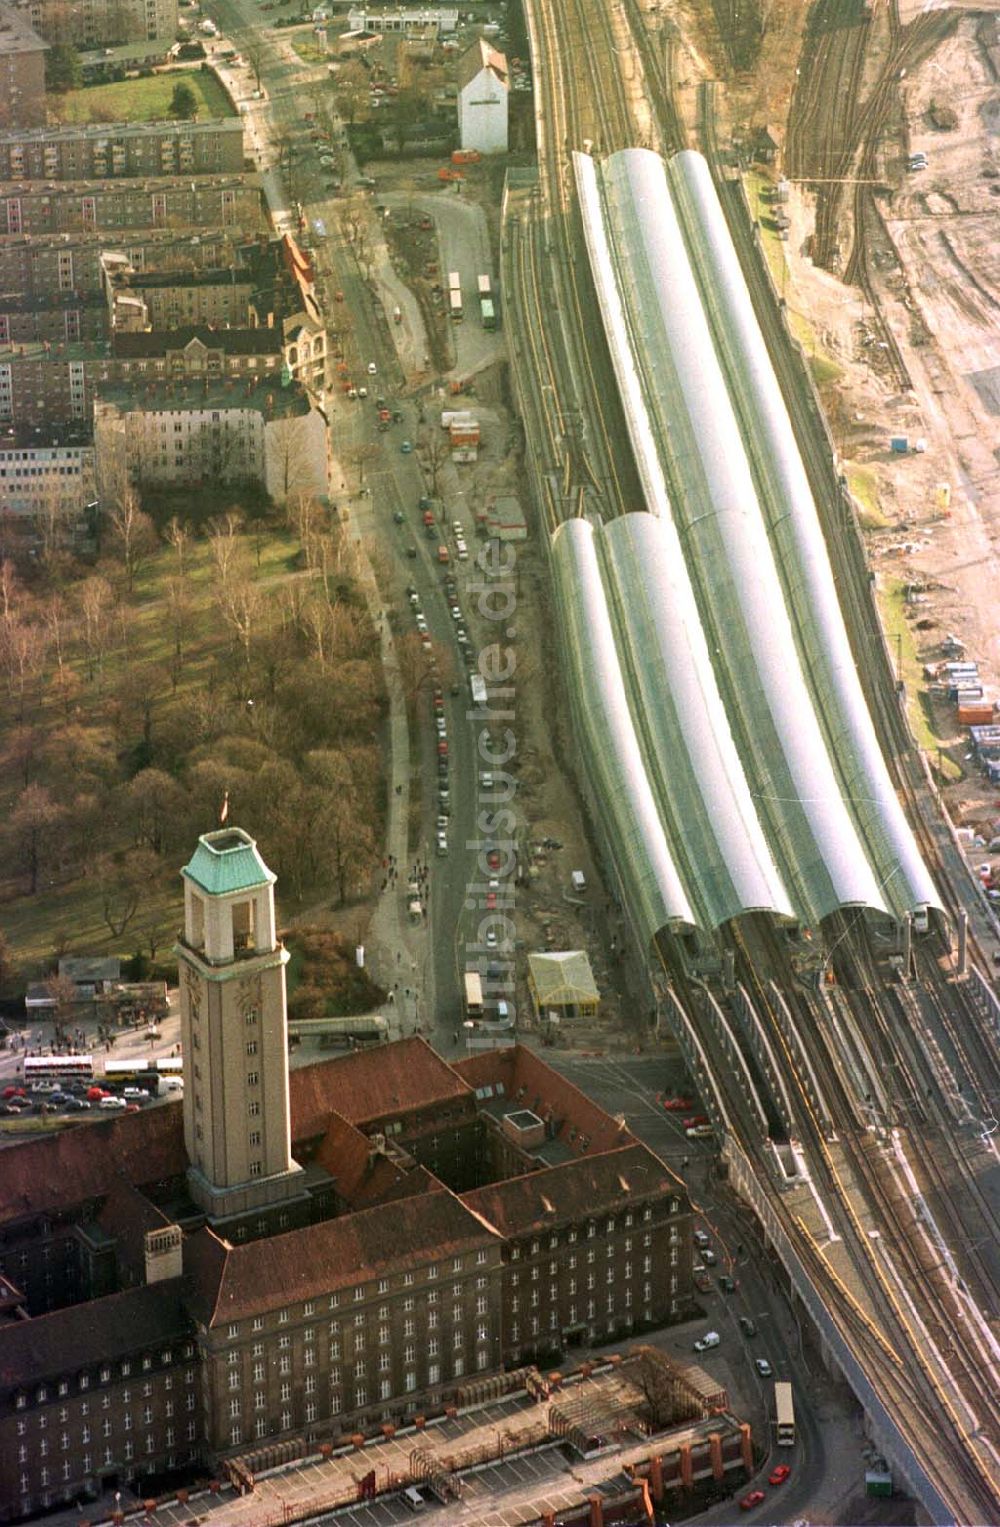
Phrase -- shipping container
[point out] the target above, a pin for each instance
(454, 281)
(483, 286)
(900, 444)
(963, 694)
(455, 304)
(488, 313)
(976, 714)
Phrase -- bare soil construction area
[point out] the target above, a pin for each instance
(904, 324)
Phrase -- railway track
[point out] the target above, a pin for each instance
(916, 1304)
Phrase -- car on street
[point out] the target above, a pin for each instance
(728, 1284)
(694, 1120)
(398, 516)
(681, 1105)
(442, 843)
(406, 447)
(491, 940)
(703, 1282)
(753, 1499)
(763, 1367)
(747, 1326)
(780, 1474)
(372, 369)
(708, 1257)
(699, 1131)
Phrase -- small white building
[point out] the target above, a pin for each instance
(483, 91)
(424, 22)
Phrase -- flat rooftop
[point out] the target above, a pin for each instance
(180, 395)
(72, 132)
(132, 185)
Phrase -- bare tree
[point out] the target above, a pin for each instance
(32, 825)
(667, 1402)
(96, 598)
(133, 531)
(178, 535)
(123, 880)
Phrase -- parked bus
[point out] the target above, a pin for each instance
(477, 684)
(484, 286)
(55, 1068)
(487, 312)
(784, 1413)
(455, 304)
(454, 281)
(473, 995)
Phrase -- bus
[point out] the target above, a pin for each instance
(784, 1413)
(454, 281)
(455, 304)
(473, 995)
(56, 1068)
(484, 286)
(487, 312)
(477, 684)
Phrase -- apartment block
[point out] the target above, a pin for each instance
(44, 476)
(80, 207)
(98, 151)
(22, 72)
(72, 262)
(62, 319)
(89, 23)
(188, 433)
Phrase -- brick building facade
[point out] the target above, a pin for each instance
(355, 1285)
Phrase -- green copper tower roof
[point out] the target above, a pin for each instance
(226, 861)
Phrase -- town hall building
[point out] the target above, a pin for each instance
(295, 1255)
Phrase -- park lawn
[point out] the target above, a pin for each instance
(310, 52)
(142, 100)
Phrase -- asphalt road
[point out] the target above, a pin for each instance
(393, 481)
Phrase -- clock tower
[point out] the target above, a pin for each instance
(234, 1032)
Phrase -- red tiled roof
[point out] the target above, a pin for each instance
(364, 1175)
(569, 1193)
(528, 1082)
(96, 1332)
(371, 1084)
(59, 1170)
(232, 1282)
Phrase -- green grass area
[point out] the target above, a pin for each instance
(825, 370)
(899, 633)
(143, 100)
(863, 485)
(311, 52)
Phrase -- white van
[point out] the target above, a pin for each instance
(709, 1340)
(412, 1498)
(579, 881)
(112, 1104)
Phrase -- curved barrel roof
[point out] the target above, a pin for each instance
(695, 771)
(797, 539)
(685, 432)
(606, 736)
